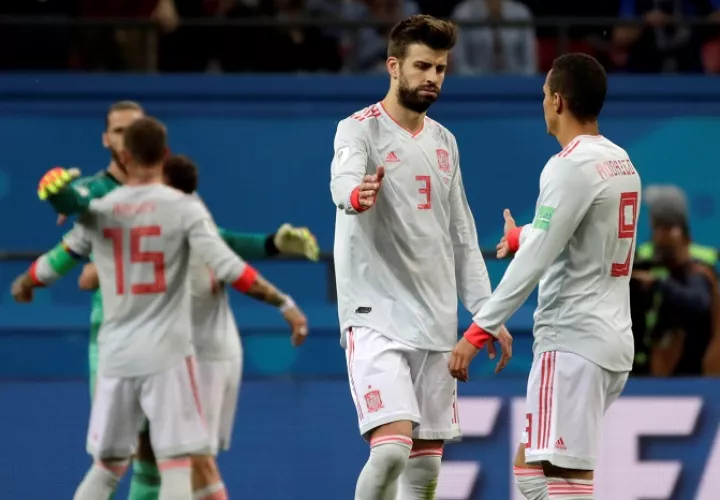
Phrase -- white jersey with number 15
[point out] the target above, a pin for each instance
(580, 247)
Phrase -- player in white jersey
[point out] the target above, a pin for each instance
(403, 255)
(580, 249)
(141, 236)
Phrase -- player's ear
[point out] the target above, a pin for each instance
(105, 142)
(393, 67)
(557, 102)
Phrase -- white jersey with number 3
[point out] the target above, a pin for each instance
(580, 249)
(402, 264)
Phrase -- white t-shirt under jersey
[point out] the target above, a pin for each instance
(401, 265)
(580, 248)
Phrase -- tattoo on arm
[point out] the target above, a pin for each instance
(264, 291)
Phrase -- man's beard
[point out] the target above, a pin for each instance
(115, 155)
(412, 99)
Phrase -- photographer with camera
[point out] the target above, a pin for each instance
(674, 294)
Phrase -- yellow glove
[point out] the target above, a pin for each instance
(54, 180)
(297, 241)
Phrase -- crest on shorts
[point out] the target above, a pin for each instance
(443, 158)
(373, 401)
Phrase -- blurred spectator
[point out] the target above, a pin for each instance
(184, 48)
(659, 46)
(493, 49)
(291, 49)
(36, 47)
(590, 38)
(366, 50)
(674, 294)
(122, 48)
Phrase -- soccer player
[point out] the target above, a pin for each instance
(580, 248)
(405, 248)
(215, 334)
(141, 236)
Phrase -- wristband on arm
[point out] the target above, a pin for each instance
(246, 280)
(477, 336)
(513, 239)
(355, 200)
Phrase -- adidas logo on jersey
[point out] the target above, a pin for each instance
(392, 158)
(560, 445)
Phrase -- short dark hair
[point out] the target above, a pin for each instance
(146, 141)
(181, 173)
(421, 29)
(122, 106)
(582, 82)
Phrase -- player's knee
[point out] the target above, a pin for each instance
(204, 470)
(116, 466)
(390, 453)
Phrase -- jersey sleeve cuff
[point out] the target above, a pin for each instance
(355, 200)
(513, 239)
(477, 336)
(32, 272)
(245, 280)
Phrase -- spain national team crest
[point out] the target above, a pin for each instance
(373, 401)
(443, 160)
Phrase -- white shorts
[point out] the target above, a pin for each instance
(170, 401)
(390, 382)
(567, 396)
(219, 386)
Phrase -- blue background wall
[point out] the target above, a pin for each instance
(264, 145)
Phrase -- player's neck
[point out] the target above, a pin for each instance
(117, 172)
(410, 120)
(140, 176)
(573, 129)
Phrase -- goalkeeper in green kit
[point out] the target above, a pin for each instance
(70, 195)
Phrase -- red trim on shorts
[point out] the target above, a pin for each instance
(513, 239)
(190, 364)
(351, 359)
(545, 404)
(246, 279)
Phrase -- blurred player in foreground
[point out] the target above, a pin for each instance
(147, 365)
(215, 335)
(580, 249)
(71, 196)
(405, 248)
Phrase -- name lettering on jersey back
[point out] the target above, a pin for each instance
(615, 168)
(133, 208)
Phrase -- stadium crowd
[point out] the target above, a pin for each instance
(53, 42)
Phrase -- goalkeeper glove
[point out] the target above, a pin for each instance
(297, 241)
(54, 180)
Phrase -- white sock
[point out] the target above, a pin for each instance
(388, 456)
(531, 482)
(100, 481)
(419, 479)
(215, 491)
(175, 479)
(570, 489)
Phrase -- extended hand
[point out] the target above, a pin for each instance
(293, 240)
(22, 288)
(54, 180)
(503, 248)
(298, 324)
(371, 184)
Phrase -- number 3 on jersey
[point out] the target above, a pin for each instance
(627, 222)
(137, 256)
(424, 190)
